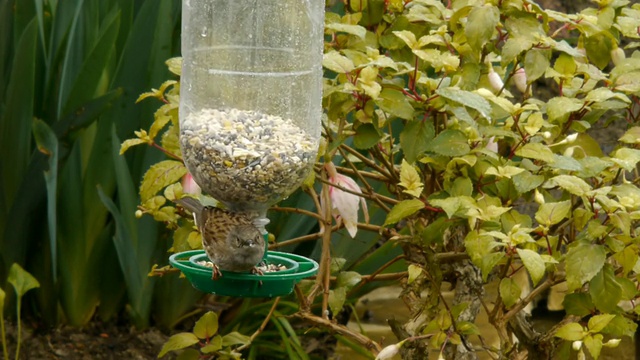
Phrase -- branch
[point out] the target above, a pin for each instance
(262, 326)
(341, 330)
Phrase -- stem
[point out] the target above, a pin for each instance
(19, 329)
(297, 211)
(262, 326)
(4, 338)
(341, 330)
(166, 152)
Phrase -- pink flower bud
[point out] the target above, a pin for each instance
(189, 185)
(492, 145)
(520, 79)
(617, 55)
(495, 80)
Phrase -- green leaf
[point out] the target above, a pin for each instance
(348, 279)
(534, 264)
(235, 338)
(578, 304)
(415, 139)
(175, 65)
(337, 297)
(410, 179)
(402, 210)
(621, 326)
(337, 62)
(552, 213)
(536, 62)
(395, 103)
(571, 332)
(628, 257)
(559, 108)
(414, 271)
(605, 290)
(481, 24)
(536, 151)
(366, 136)
(206, 326)
(129, 143)
(525, 181)
(593, 344)
(356, 30)
(177, 342)
(47, 143)
(468, 99)
(509, 292)
(21, 280)
(450, 143)
(451, 205)
(159, 176)
(570, 183)
(599, 322)
(189, 354)
(598, 49)
(626, 158)
(631, 136)
(584, 262)
(214, 344)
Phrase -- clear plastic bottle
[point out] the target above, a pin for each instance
(250, 97)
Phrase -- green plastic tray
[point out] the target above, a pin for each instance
(245, 284)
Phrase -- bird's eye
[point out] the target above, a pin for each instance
(238, 242)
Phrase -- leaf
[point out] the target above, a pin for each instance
(21, 280)
(356, 30)
(605, 290)
(395, 103)
(402, 210)
(536, 62)
(410, 179)
(414, 271)
(570, 183)
(599, 322)
(159, 176)
(408, 37)
(348, 279)
(598, 49)
(571, 332)
(214, 344)
(583, 262)
(525, 181)
(534, 264)
(129, 143)
(552, 213)
(578, 304)
(337, 297)
(468, 99)
(536, 151)
(450, 205)
(415, 138)
(450, 143)
(509, 292)
(631, 136)
(177, 342)
(621, 326)
(593, 344)
(206, 326)
(626, 158)
(504, 171)
(559, 108)
(235, 338)
(481, 24)
(337, 63)
(366, 136)
(175, 65)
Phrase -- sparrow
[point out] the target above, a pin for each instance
(230, 239)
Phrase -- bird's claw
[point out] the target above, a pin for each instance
(215, 272)
(256, 271)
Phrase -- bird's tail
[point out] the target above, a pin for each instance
(190, 204)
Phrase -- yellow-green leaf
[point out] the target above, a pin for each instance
(337, 63)
(571, 332)
(410, 179)
(177, 342)
(206, 326)
(214, 345)
(175, 65)
(509, 292)
(402, 210)
(129, 143)
(414, 271)
(570, 183)
(21, 280)
(159, 176)
(536, 151)
(534, 264)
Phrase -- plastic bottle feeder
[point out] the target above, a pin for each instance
(250, 116)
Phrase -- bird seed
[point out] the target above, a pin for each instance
(246, 159)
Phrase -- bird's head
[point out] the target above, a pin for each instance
(246, 236)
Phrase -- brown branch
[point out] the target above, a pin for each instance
(262, 326)
(297, 211)
(341, 330)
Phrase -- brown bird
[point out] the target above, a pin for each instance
(230, 239)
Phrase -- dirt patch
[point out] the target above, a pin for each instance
(95, 341)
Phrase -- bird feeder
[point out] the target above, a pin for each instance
(250, 99)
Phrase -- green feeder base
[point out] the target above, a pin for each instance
(270, 284)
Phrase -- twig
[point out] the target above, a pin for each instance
(297, 211)
(377, 272)
(341, 330)
(262, 326)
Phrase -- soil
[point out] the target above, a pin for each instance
(97, 340)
